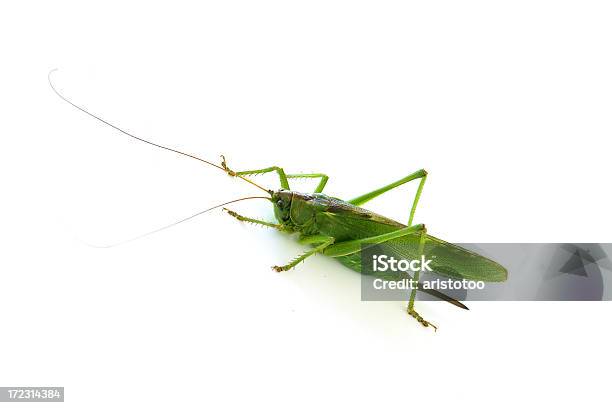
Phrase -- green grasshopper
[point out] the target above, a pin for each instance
(341, 229)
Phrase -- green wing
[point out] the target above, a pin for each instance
(456, 262)
(447, 259)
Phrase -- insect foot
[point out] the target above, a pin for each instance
(232, 213)
(419, 319)
(278, 268)
(227, 169)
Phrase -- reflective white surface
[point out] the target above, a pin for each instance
(507, 106)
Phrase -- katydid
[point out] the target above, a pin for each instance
(340, 229)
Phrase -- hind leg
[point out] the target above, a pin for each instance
(354, 246)
(410, 308)
(420, 174)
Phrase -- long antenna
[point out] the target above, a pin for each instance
(177, 222)
(222, 168)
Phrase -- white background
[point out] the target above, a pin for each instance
(506, 104)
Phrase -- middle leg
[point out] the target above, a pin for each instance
(323, 241)
(322, 176)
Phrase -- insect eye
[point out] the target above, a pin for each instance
(279, 203)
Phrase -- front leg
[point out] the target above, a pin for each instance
(253, 220)
(322, 240)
